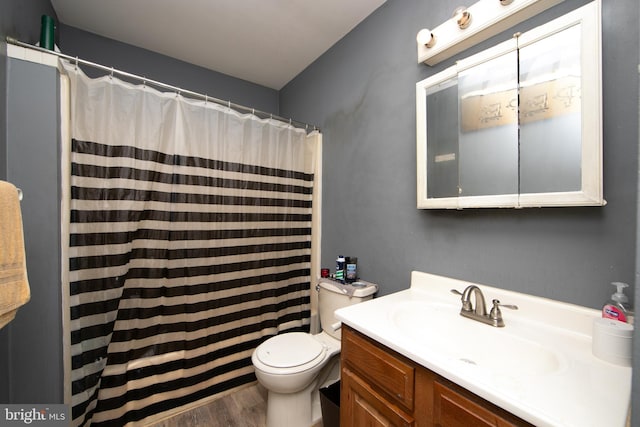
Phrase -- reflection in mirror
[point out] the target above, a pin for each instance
(488, 138)
(550, 114)
(442, 136)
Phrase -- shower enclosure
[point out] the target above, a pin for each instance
(187, 227)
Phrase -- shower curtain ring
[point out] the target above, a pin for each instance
(76, 66)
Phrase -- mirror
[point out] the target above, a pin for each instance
(517, 125)
(550, 132)
(488, 102)
(442, 129)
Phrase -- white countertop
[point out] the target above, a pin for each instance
(539, 366)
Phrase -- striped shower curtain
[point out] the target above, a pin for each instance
(189, 243)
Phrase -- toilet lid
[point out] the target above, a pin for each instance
(288, 350)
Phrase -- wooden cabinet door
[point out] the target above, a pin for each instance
(391, 374)
(455, 409)
(362, 406)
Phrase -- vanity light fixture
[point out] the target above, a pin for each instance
(426, 38)
(460, 32)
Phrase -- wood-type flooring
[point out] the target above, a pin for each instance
(246, 407)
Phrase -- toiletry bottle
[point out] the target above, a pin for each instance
(351, 271)
(340, 261)
(618, 307)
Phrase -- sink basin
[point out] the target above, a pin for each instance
(495, 351)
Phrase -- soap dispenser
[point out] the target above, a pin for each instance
(618, 307)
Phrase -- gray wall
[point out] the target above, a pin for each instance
(635, 397)
(34, 351)
(30, 346)
(19, 19)
(92, 47)
(362, 95)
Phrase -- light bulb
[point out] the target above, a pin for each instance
(426, 37)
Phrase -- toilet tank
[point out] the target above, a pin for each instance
(333, 295)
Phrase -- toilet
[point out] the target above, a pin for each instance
(293, 366)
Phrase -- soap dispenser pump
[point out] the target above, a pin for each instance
(618, 307)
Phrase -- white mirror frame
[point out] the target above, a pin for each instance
(591, 193)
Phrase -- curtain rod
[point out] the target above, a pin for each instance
(172, 88)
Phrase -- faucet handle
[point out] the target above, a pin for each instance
(495, 310)
(497, 303)
(455, 291)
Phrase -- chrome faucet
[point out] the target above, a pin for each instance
(479, 312)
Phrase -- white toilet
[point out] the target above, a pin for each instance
(293, 366)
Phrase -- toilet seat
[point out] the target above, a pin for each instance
(290, 352)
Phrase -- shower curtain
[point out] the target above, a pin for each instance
(189, 243)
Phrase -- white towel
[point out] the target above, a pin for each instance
(14, 286)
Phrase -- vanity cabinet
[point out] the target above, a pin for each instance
(383, 388)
